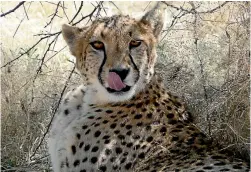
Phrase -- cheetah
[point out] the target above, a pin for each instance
(122, 118)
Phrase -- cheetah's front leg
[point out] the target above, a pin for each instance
(71, 107)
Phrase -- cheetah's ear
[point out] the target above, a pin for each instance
(155, 18)
(71, 35)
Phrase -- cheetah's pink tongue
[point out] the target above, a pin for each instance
(115, 82)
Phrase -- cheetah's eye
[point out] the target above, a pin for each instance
(97, 45)
(134, 44)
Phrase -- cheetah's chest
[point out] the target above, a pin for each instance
(113, 138)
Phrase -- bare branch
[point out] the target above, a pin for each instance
(104, 9)
(22, 19)
(174, 21)
(193, 11)
(25, 12)
(90, 15)
(14, 9)
(41, 4)
(216, 8)
(115, 6)
(185, 12)
(54, 15)
(79, 9)
(147, 6)
(27, 51)
(18, 27)
(43, 58)
(75, 5)
(63, 8)
(55, 54)
(55, 4)
(49, 35)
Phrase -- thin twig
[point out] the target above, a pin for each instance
(174, 21)
(214, 9)
(55, 4)
(13, 10)
(63, 8)
(49, 35)
(53, 16)
(104, 9)
(90, 15)
(43, 58)
(79, 9)
(115, 6)
(147, 6)
(75, 5)
(21, 21)
(54, 112)
(27, 51)
(98, 12)
(25, 12)
(41, 4)
(55, 54)
(193, 11)
(18, 27)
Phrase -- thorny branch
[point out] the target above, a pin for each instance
(26, 12)
(90, 15)
(183, 12)
(27, 51)
(79, 9)
(63, 8)
(56, 4)
(22, 18)
(53, 16)
(13, 10)
(39, 70)
(115, 6)
(45, 36)
(193, 11)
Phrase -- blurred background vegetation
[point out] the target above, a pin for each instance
(204, 54)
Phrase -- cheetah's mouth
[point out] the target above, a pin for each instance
(115, 83)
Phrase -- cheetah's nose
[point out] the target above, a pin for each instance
(121, 72)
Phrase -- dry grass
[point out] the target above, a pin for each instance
(211, 75)
(28, 106)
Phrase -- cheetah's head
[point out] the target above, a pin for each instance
(116, 55)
